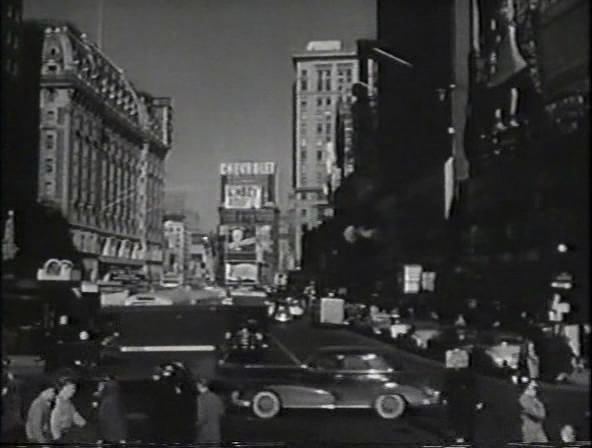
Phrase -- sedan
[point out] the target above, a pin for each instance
(332, 378)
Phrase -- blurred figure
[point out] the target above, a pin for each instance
(64, 416)
(533, 415)
(210, 410)
(37, 426)
(529, 361)
(112, 424)
(568, 434)
(12, 409)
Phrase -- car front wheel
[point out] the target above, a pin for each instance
(266, 405)
(390, 406)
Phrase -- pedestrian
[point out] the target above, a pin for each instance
(533, 415)
(112, 427)
(210, 410)
(461, 394)
(37, 425)
(530, 362)
(12, 409)
(64, 417)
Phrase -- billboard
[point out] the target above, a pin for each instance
(239, 241)
(248, 185)
(247, 168)
(263, 242)
(245, 196)
(235, 272)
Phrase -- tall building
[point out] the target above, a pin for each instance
(10, 134)
(249, 222)
(99, 146)
(325, 73)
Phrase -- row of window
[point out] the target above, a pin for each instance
(324, 80)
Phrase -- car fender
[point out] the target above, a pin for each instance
(414, 396)
(302, 396)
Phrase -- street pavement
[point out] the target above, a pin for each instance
(293, 342)
(499, 421)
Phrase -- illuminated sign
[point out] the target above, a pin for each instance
(247, 168)
(240, 239)
(241, 272)
(58, 271)
(243, 196)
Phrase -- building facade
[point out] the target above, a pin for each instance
(101, 146)
(202, 262)
(249, 223)
(11, 89)
(325, 74)
(177, 248)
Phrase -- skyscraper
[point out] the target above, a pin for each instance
(325, 73)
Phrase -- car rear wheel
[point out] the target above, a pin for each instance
(390, 406)
(266, 404)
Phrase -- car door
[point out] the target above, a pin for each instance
(361, 378)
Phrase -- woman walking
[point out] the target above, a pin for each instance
(533, 415)
(64, 416)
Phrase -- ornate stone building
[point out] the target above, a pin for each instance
(102, 146)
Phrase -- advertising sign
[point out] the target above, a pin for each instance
(241, 272)
(412, 278)
(264, 242)
(243, 196)
(240, 239)
(247, 168)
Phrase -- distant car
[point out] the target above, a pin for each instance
(147, 300)
(332, 378)
(499, 349)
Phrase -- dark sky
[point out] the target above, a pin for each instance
(227, 65)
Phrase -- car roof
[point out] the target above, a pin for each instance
(349, 349)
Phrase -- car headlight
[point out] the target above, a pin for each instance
(84, 336)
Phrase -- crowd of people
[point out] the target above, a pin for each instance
(53, 419)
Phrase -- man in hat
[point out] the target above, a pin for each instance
(210, 410)
(461, 394)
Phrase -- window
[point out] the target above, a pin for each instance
(303, 103)
(50, 141)
(328, 128)
(303, 154)
(328, 82)
(319, 102)
(303, 212)
(319, 128)
(303, 80)
(328, 101)
(319, 156)
(328, 362)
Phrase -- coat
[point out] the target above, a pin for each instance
(12, 408)
(533, 414)
(210, 410)
(37, 425)
(112, 426)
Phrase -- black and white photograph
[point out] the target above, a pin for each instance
(295, 223)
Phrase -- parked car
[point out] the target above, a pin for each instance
(340, 377)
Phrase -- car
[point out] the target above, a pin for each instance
(500, 349)
(336, 377)
(147, 300)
